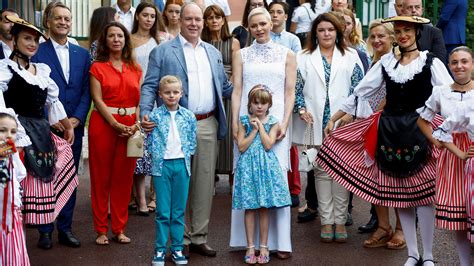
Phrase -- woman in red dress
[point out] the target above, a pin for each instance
(115, 89)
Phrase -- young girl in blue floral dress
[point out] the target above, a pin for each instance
(259, 181)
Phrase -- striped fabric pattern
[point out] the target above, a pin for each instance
(13, 245)
(342, 156)
(451, 193)
(42, 202)
(469, 173)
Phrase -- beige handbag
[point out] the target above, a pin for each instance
(136, 143)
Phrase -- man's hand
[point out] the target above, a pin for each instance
(147, 124)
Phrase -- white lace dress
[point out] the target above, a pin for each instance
(265, 64)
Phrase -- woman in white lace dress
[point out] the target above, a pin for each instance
(147, 32)
(273, 65)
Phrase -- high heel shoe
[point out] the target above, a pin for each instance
(327, 236)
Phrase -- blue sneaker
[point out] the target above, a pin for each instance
(159, 258)
(178, 258)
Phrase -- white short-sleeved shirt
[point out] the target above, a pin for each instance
(304, 15)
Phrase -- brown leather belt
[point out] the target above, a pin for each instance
(204, 116)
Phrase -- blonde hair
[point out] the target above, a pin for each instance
(388, 29)
(170, 79)
(260, 11)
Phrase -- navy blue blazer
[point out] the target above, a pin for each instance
(431, 39)
(168, 59)
(74, 94)
(452, 21)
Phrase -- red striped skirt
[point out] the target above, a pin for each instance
(343, 156)
(469, 174)
(42, 202)
(451, 194)
(13, 245)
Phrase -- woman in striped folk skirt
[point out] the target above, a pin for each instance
(12, 238)
(385, 159)
(27, 88)
(454, 183)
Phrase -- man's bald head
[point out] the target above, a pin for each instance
(412, 8)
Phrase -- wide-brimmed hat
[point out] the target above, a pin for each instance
(21, 22)
(411, 19)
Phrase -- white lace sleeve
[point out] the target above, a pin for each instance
(432, 105)
(443, 132)
(439, 73)
(368, 87)
(5, 75)
(56, 108)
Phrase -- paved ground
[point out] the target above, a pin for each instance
(308, 250)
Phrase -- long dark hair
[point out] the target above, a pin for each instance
(157, 26)
(103, 52)
(312, 42)
(206, 33)
(100, 17)
(245, 16)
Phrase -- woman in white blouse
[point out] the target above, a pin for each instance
(26, 88)
(385, 159)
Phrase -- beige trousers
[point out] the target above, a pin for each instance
(201, 187)
(333, 199)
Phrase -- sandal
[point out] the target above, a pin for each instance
(341, 236)
(379, 238)
(327, 233)
(121, 239)
(396, 242)
(151, 206)
(102, 239)
(250, 258)
(263, 259)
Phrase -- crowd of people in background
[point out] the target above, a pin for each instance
(388, 115)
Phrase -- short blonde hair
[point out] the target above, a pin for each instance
(170, 79)
(260, 11)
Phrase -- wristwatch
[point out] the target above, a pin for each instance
(301, 111)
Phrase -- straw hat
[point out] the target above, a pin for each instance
(21, 22)
(412, 19)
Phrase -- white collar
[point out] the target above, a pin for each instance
(130, 11)
(184, 41)
(57, 45)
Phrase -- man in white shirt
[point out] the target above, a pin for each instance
(69, 65)
(199, 66)
(6, 39)
(126, 11)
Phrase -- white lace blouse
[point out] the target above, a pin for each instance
(373, 81)
(42, 80)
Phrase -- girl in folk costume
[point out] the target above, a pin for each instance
(385, 159)
(12, 238)
(454, 183)
(27, 88)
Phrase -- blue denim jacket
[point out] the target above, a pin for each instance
(186, 123)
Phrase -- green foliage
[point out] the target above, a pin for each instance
(433, 14)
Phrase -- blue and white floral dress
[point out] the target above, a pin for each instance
(259, 181)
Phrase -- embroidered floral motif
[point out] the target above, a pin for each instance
(405, 154)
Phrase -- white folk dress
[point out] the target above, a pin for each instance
(265, 64)
(454, 186)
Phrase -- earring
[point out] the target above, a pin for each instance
(337, 40)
